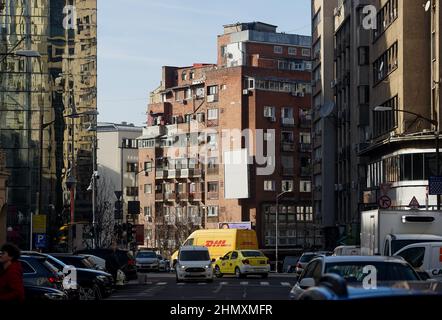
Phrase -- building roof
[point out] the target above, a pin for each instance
(114, 127)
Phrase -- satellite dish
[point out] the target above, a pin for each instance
(327, 109)
(427, 6)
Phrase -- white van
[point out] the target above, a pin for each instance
(424, 257)
(347, 251)
(194, 263)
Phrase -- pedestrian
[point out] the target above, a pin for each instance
(11, 275)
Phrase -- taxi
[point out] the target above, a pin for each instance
(242, 263)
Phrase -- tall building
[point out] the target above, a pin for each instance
(260, 88)
(405, 80)
(37, 97)
(324, 129)
(118, 172)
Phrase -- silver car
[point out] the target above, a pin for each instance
(147, 261)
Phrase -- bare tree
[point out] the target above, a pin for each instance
(104, 213)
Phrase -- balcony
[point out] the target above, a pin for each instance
(170, 197)
(185, 173)
(288, 122)
(197, 173)
(183, 196)
(305, 147)
(212, 195)
(154, 132)
(287, 146)
(160, 107)
(160, 174)
(173, 174)
(159, 197)
(196, 196)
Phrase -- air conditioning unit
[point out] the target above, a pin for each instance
(246, 92)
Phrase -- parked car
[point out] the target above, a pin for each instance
(99, 263)
(347, 251)
(194, 263)
(36, 293)
(351, 269)
(147, 260)
(242, 263)
(92, 284)
(305, 258)
(289, 264)
(37, 271)
(124, 259)
(164, 263)
(334, 287)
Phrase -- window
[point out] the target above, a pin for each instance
(184, 76)
(277, 49)
(385, 17)
(305, 186)
(212, 186)
(212, 211)
(292, 51)
(363, 56)
(212, 90)
(212, 139)
(385, 64)
(146, 144)
(414, 256)
(212, 114)
(269, 112)
(385, 121)
(287, 136)
(287, 186)
(306, 52)
(26, 268)
(148, 166)
(200, 117)
(269, 185)
(188, 94)
(192, 75)
(305, 138)
(287, 113)
(132, 167)
(132, 191)
(147, 211)
(148, 188)
(234, 255)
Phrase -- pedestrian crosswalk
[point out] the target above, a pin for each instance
(222, 283)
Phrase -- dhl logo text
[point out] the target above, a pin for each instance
(217, 243)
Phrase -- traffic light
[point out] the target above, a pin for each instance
(118, 210)
(129, 230)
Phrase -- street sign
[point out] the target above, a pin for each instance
(414, 204)
(384, 202)
(435, 186)
(133, 208)
(118, 194)
(40, 240)
(39, 223)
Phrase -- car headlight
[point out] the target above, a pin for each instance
(183, 267)
(208, 266)
(102, 278)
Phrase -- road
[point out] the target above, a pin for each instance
(164, 287)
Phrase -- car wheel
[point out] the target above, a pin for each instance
(218, 273)
(87, 293)
(238, 273)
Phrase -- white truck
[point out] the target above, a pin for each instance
(385, 232)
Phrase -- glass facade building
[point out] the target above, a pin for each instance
(38, 93)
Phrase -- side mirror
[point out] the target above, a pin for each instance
(307, 283)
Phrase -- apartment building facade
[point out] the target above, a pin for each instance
(262, 84)
(117, 160)
(41, 93)
(324, 129)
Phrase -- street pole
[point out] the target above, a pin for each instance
(438, 164)
(93, 194)
(276, 236)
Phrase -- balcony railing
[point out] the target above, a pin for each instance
(213, 171)
(195, 196)
(169, 196)
(212, 98)
(183, 196)
(160, 174)
(159, 197)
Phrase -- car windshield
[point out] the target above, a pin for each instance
(249, 254)
(195, 255)
(146, 254)
(307, 257)
(77, 262)
(353, 272)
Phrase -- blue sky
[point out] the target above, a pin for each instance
(137, 37)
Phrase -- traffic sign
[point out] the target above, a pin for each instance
(39, 223)
(414, 204)
(40, 240)
(385, 202)
(118, 194)
(435, 186)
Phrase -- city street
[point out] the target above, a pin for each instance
(164, 287)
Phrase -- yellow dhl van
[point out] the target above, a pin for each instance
(221, 241)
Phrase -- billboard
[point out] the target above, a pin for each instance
(236, 174)
(235, 225)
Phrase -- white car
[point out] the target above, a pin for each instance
(351, 268)
(194, 263)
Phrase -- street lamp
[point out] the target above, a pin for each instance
(435, 123)
(276, 226)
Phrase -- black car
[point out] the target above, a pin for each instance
(37, 293)
(38, 271)
(92, 284)
(115, 259)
